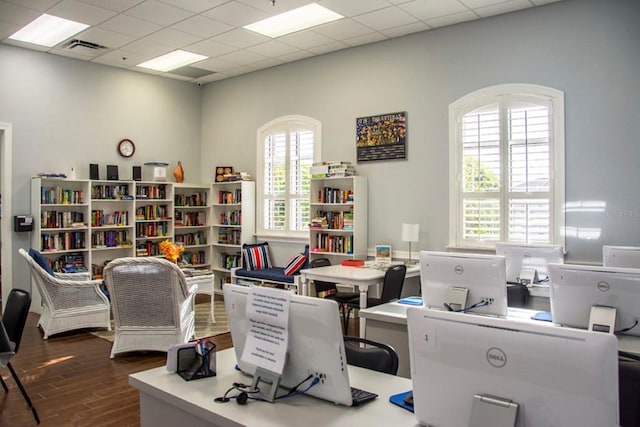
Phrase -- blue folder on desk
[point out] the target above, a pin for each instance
(411, 301)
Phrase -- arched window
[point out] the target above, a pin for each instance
(287, 147)
(506, 154)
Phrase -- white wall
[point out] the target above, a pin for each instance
(68, 113)
(587, 48)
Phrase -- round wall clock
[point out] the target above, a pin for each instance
(126, 148)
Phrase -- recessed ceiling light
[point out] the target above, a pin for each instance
(294, 20)
(48, 30)
(172, 60)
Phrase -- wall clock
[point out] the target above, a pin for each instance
(126, 148)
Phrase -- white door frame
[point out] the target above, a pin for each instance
(6, 141)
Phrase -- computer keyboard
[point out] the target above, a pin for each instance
(360, 396)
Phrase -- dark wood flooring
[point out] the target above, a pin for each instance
(73, 382)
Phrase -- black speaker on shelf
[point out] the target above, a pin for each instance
(137, 173)
(112, 172)
(94, 172)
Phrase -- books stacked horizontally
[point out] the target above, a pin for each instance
(341, 169)
(318, 223)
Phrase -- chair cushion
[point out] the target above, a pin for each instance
(256, 256)
(294, 264)
(41, 261)
(269, 274)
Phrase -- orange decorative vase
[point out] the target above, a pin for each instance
(179, 172)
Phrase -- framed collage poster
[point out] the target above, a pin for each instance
(381, 137)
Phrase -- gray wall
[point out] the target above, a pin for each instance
(590, 49)
(68, 113)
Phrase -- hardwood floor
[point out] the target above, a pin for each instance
(72, 381)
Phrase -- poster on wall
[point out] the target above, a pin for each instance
(381, 137)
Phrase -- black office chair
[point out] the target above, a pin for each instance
(629, 389)
(330, 290)
(373, 355)
(13, 321)
(391, 289)
(517, 295)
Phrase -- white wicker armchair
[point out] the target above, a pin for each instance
(152, 304)
(68, 303)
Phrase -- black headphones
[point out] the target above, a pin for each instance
(242, 397)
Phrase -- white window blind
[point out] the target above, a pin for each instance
(504, 186)
(288, 149)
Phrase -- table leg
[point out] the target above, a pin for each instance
(363, 305)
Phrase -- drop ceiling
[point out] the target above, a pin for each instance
(129, 32)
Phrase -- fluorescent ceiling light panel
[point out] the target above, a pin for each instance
(176, 59)
(48, 30)
(294, 20)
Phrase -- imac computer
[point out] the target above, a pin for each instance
(316, 343)
(480, 370)
(621, 256)
(527, 264)
(575, 289)
(464, 282)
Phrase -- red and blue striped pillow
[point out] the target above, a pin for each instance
(256, 257)
(294, 264)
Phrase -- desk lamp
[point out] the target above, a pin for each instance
(410, 233)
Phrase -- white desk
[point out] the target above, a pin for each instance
(362, 277)
(168, 400)
(387, 323)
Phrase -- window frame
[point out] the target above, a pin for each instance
(282, 124)
(491, 95)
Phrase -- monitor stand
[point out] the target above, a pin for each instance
(492, 411)
(267, 382)
(602, 319)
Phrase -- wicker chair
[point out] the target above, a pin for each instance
(68, 303)
(152, 304)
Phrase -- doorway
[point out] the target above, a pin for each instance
(6, 236)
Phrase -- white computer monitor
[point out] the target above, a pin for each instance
(556, 376)
(574, 289)
(315, 343)
(443, 274)
(621, 256)
(533, 257)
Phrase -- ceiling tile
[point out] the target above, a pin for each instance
(202, 26)
(295, 56)
(473, 4)
(281, 6)
(506, 7)
(429, 9)
(158, 13)
(40, 5)
(120, 58)
(454, 18)
(235, 13)
(541, 2)
(305, 39)
(386, 18)
(7, 29)
(366, 39)
(81, 12)
(196, 6)
(240, 38)
(130, 26)
(173, 38)
(242, 57)
(147, 47)
(215, 64)
(403, 30)
(331, 47)
(266, 63)
(272, 49)
(210, 48)
(343, 29)
(104, 37)
(13, 14)
(116, 5)
(354, 7)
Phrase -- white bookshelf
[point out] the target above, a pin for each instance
(153, 216)
(346, 234)
(192, 224)
(232, 224)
